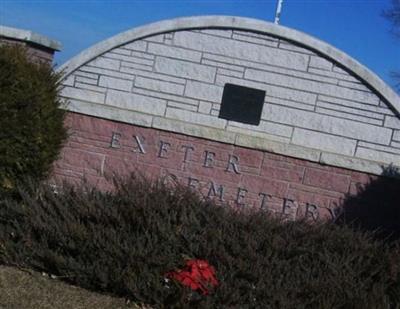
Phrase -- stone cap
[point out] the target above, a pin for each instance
(30, 37)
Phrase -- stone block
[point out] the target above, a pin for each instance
(105, 63)
(293, 174)
(327, 124)
(240, 63)
(115, 83)
(325, 142)
(191, 117)
(336, 75)
(290, 46)
(174, 52)
(379, 147)
(193, 130)
(327, 180)
(266, 127)
(223, 65)
(107, 72)
(354, 105)
(85, 80)
(253, 34)
(354, 85)
(277, 147)
(265, 40)
(396, 135)
(249, 157)
(378, 156)
(158, 76)
(87, 75)
(294, 104)
(264, 184)
(185, 69)
(271, 90)
(69, 81)
(142, 55)
(302, 75)
(90, 87)
(203, 91)
(257, 134)
(351, 163)
(136, 102)
(155, 38)
(220, 32)
(136, 45)
(205, 108)
(165, 96)
(347, 115)
(138, 60)
(311, 86)
(320, 63)
(110, 112)
(214, 112)
(183, 106)
(392, 122)
(350, 110)
(340, 70)
(230, 73)
(92, 128)
(85, 159)
(158, 85)
(83, 95)
(241, 50)
(395, 144)
(122, 51)
(131, 67)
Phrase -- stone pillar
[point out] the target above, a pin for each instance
(40, 47)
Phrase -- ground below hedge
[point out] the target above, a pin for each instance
(26, 289)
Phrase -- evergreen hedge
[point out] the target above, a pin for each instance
(31, 121)
(126, 242)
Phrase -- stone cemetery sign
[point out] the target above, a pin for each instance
(244, 111)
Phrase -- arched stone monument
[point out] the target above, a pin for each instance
(245, 111)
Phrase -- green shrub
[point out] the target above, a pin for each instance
(376, 206)
(31, 122)
(125, 242)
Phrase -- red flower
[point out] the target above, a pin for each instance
(197, 275)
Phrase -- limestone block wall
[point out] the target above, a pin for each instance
(314, 109)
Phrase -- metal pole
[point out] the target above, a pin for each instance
(278, 12)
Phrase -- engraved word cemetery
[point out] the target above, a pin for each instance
(243, 111)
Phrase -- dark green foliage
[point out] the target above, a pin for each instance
(124, 243)
(375, 207)
(31, 123)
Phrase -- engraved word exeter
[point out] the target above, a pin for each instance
(289, 207)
